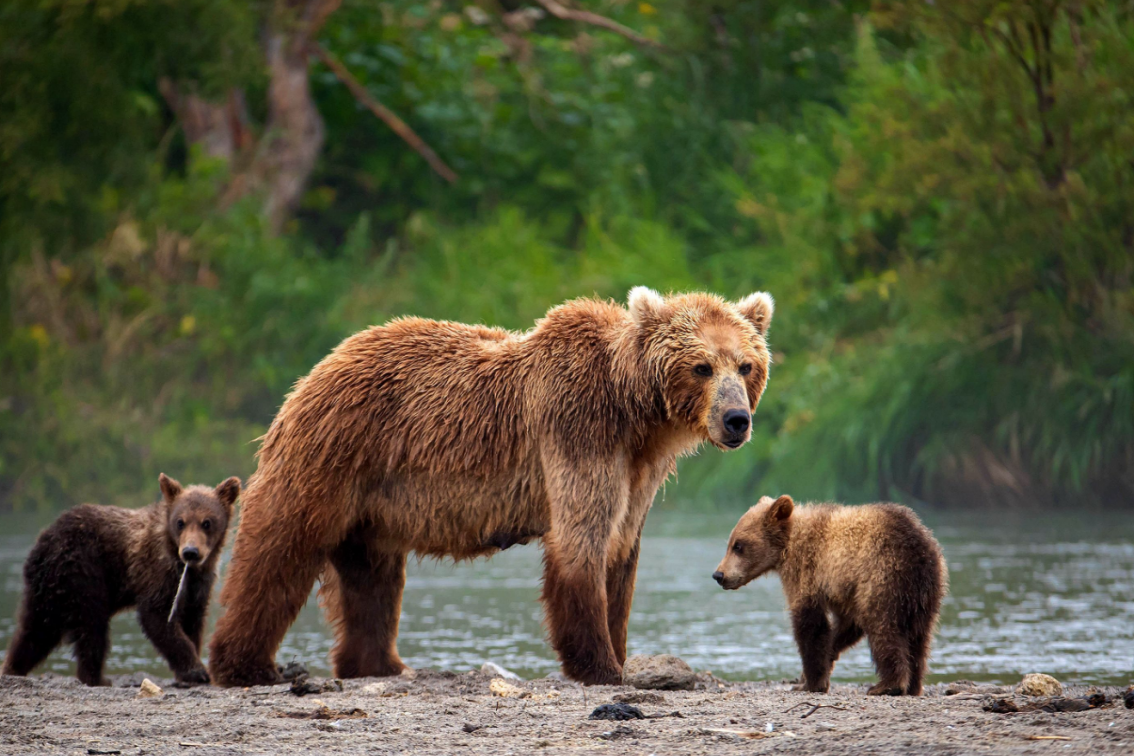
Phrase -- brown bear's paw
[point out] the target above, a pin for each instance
(594, 675)
(195, 676)
(885, 689)
(813, 687)
(246, 677)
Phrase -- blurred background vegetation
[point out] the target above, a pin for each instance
(198, 201)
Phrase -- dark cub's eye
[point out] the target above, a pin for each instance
(746, 368)
(206, 524)
(738, 548)
(704, 370)
(180, 524)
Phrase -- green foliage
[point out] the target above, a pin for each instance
(941, 206)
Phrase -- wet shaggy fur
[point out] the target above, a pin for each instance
(94, 561)
(873, 570)
(453, 440)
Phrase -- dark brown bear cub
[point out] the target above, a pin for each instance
(95, 561)
(874, 570)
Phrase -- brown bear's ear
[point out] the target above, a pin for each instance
(228, 491)
(646, 305)
(781, 508)
(170, 488)
(757, 308)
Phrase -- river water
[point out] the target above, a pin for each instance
(1047, 593)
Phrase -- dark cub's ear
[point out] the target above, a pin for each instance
(227, 492)
(170, 488)
(646, 305)
(757, 308)
(781, 508)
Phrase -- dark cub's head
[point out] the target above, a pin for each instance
(757, 542)
(708, 357)
(197, 517)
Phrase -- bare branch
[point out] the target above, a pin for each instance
(586, 17)
(397, 125)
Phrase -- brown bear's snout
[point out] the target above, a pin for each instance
(736, 422)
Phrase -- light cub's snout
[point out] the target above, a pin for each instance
(719, 577)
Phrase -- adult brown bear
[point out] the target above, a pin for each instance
(455, 440)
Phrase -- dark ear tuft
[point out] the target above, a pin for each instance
(228, 491)
(757, 308)
(781, 508)
(170, 488)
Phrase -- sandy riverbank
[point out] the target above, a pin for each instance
(447, 713)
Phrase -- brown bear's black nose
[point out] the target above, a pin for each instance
(736, 421)
(190, 554)
(719, 577)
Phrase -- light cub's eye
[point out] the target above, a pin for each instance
(180, 524)
(738, 548)
(746, 368)
(704, 370)
(206, 524)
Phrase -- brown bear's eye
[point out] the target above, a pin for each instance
(738, 548)
(745, 369)
(704, 370)
(206, 524)
(180, 524)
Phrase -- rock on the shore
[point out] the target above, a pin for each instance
(149, 689)
(495, 670)
(660, 672)
(1039, 685)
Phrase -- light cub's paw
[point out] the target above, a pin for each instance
(882, 689)
(807, 687)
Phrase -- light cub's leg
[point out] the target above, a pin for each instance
(813, 636)
(889, 647)
(362, 600)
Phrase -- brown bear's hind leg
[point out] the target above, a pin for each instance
(813, 636)
(36, 636)
(275, 561)
(92, 641)
(847, 633)
(619, 596)
(362, 599)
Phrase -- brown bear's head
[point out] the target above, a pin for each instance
(197, 517)
(757, 542)
(709, 358)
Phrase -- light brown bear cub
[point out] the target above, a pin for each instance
(874, 570)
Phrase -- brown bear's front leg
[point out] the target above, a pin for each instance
(619, 596)
(275, 560)
(574, 597)
(362, 600)
(813, 636)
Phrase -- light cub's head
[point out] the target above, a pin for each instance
(709, 358)
(757, 542)
(197, 517)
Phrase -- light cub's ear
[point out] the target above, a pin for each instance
(646, 305)
(170, 488)
(227, 492)
(757, 308)
(781, 508)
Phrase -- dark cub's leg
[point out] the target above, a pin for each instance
(92, 641)
(171, 641)
(813, 636)
(36, 636)
(362, 599)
